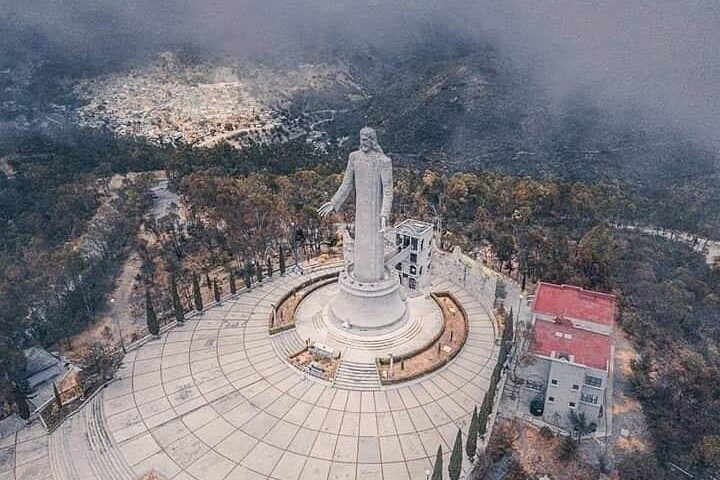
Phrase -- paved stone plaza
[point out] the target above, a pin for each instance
(214, 400)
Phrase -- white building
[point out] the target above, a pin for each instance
(413, 253)
(571, 355)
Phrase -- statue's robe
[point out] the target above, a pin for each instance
(371, 175)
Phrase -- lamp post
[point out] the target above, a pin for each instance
(293, 233)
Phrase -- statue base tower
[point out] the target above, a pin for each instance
(368, 306)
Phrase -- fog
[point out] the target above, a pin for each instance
(661, 56)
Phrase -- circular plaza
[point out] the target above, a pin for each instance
(220, 397)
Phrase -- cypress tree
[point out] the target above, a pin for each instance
(177, 304)
(197, 296)
(216, 290)
(438, 467)
(233, 287)
(509, 333)
(471, 445)
(150, 316)
(248, 275)
(268, 264)
(58, 400)
(22, 405)
(281, 257)
(455, 464)
(483, 416)
(258, 272)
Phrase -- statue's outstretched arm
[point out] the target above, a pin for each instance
(345, 187)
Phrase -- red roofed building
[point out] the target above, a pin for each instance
(586, 309)
(572, 354)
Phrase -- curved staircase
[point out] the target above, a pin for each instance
(82, 448)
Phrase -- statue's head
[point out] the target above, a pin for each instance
(368, 140)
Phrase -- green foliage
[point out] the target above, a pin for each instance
(197, 295)
(231, 281)
(437, 473)
(216, 290)
(177, 304)
(472, 436)
(281, 259)
(150, 315)
(56, 395)
(456, 458)
(22, 405)
(567, 449)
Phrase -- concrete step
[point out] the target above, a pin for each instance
(287, 342)
(103, 453)
(357, 376)
(61, 465)
(378, 343)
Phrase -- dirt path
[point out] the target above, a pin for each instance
(629, 427)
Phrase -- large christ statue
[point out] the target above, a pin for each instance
(368, 295)
(370, 172)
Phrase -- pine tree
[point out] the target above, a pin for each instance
(231, 280)
(471, 445)
(150, 316)
(268, 264)
(58, 399)
(281, 257)
(258, 272)
(438, 467)
(455, 464)
(216, 290)
(197, 296)
(177, 304)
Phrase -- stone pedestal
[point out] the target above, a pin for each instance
(368, 306)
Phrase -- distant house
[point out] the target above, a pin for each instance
(42, 369)
(572, 354)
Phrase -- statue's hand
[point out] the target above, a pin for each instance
(325, 209)
(383, 224)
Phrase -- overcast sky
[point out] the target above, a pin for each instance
(662, 55)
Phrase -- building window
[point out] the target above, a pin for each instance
(575, 387)
(420, 271)
(413, 269)
(412, 283)
(398, 266)
(589, 398)
(413, 257)
(593, 381)
(534, 385)
(422, 244)
(413, 243)
(406, 241)
(398, 239)
(572, 405)
(554, 382)
(551, 399)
